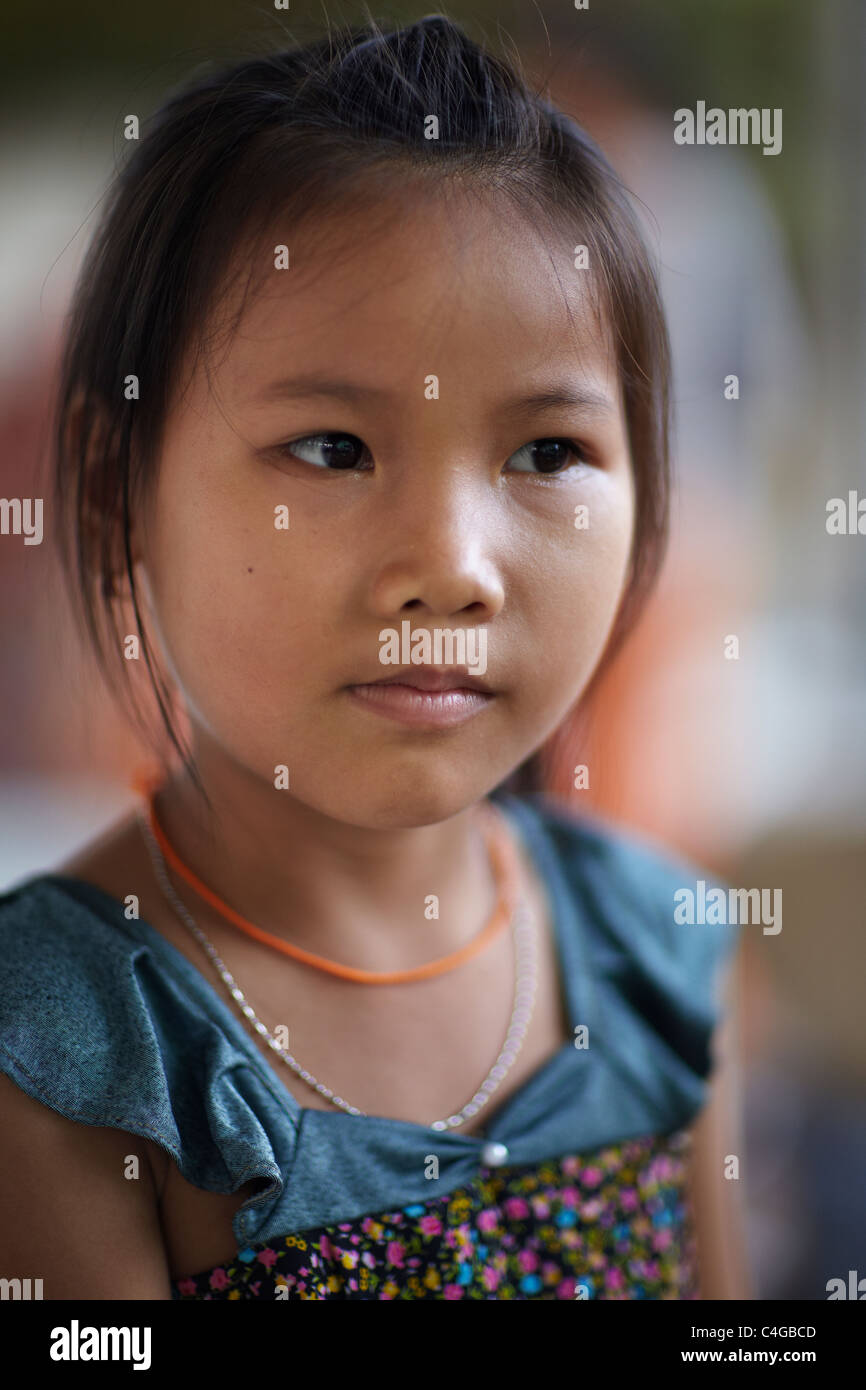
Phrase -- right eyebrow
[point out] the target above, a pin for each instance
(309, 386)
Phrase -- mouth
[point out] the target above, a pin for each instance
(434, 678)
(425, 698)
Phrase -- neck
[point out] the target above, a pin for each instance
(350, 893)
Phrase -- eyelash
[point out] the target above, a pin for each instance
(580, 453)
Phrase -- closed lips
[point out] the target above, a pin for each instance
(427, 700)
(433, 681)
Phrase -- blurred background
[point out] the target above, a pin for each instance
(754, 767)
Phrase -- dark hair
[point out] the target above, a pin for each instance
(295, 131)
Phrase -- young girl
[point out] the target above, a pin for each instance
(362, 452)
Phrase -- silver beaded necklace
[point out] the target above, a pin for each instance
(524, 997)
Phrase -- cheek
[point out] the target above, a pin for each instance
(237, 616)
(575, 584)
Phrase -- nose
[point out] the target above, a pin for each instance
(437, 550)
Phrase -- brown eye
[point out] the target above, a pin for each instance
(336, 451)
(547, 456)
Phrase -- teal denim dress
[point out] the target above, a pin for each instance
(102, 1019)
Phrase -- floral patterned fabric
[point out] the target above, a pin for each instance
(615, 1224)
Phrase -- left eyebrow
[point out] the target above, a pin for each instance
(534, 402)
(307, 387)
(555, 397)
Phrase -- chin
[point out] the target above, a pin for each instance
(408, 800)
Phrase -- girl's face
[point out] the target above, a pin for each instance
(409, 346)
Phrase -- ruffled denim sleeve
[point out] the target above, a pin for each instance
(94, 1026)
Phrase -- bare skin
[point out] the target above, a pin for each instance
(370, 1045)
(448, 521)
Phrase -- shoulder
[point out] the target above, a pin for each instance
(66, 970)
(57, 911)
(623, 893)
(73, 1023)
(626, 880)
(102, 1026)
(60, 966)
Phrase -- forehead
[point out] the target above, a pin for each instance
(449, 282)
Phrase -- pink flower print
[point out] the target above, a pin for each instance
(628, 1199)
(490, 1277)
(254, 1288)
(516, 1207)
(394, 1252)
(567, 1289)
(487, 1220)
(186, 1286)
(219, 1279)
(569, 1196)
(368, 1259)
(267, 1257)
(327, 1250)
(430, 1225)
(355, 1239)
(614, 1279)
(452, 1291)
(591, 1210)
(540, 1207)
(662, 1239)
(571, 1166)
(528, 1260)
(591, 1177)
